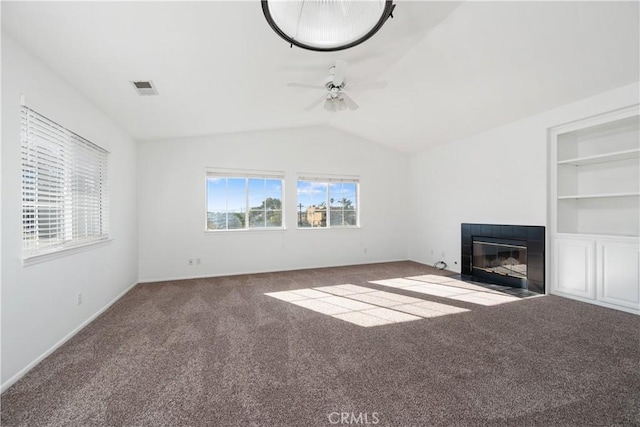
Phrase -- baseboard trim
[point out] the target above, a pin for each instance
(11, 381)
(431, 263)
(310, 267)
(594, 302)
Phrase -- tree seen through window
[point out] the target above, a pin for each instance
(243, 202)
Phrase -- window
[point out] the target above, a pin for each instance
(327, 202)
(242, 201)
(64, 187)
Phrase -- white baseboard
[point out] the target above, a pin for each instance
(66, 338)
(605, 304)
(277, 270)
(455, 268)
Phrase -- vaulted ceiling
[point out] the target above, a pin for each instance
(453, 68)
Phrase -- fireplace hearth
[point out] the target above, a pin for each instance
(510, 255)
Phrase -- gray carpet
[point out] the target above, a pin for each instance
(218, 352)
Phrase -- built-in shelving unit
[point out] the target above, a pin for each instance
(595, 209)
(598, 178)
(602, 158)
(599, 196)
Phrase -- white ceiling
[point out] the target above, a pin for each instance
(454, 69)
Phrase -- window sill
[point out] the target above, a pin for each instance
(330, 228)
(246, 230)
(59, 253)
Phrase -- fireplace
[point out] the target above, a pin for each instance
(510, 255)
(507, 258)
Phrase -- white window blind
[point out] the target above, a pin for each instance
(64, 187)
(236, 173)
(327, 178)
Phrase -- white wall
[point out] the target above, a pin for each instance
(39, 301)
(171, 188)
(498, 176)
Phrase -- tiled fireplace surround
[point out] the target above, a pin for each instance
(533, 237)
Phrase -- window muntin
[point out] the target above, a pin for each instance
(327, 202)
(64, 188)
(265, 202)
(244, 202)
(226, 203)
(342, 203)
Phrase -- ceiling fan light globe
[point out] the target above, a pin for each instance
(326, 25)
(328, 105)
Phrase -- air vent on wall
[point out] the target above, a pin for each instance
(144, 87)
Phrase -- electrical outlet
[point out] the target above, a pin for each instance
(198, 261)
(79, 299)
(190, 261)
(365, 250)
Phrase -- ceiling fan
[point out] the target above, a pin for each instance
(336, 99)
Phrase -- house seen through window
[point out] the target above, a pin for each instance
(327, 202)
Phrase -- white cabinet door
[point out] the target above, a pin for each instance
(618, 273)
(574, 267)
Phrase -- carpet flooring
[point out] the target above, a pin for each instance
(219, 352)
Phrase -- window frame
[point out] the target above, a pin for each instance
(52, 156)
(246, 175)
(328, 180)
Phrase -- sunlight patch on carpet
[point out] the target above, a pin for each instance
(447, 287)
(364, 307)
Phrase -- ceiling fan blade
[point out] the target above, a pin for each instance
(339, 72)
(370, 85)
(315, 103)
(351, 104)
(304, 85)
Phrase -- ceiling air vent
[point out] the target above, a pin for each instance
(145, 87)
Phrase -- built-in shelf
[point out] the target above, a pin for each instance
(603, 158)
(596, 235)
(599, 196)
(595, 209)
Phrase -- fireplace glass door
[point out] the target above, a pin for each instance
(501, 258)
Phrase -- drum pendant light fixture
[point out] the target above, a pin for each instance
(326, 25)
